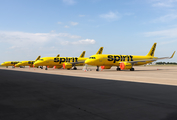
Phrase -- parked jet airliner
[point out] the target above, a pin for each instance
(123, 62)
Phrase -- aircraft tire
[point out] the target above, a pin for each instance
(75, 68)
(46, 68)
(97, 69)
(132, 69)
(118, 69)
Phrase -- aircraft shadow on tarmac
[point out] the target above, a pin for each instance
(26, 95)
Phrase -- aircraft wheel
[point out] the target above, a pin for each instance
(132, 69)
(46, 68)
(75, 68)
(97, 68)
(118, 69)
(68, 69)
(6, 66)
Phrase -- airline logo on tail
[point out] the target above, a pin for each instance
(83, 54)
(100, 50)
(151, 52)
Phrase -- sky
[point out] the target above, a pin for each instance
(29, 28)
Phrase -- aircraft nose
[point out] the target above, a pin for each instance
(88, 62)
(2, 64)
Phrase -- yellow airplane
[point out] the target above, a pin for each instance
(123, 62)
(10, 63)
(27, 63)
(65, 62)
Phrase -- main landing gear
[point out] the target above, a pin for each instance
(75, 68)
(132, 69)
(118, 69)
(6, 66)
(41, 67)
(97, 68)
(46, 68)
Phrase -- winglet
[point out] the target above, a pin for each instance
(58, 55)
(173, 54)
(38, 58)
(83, 54)
(100, 50)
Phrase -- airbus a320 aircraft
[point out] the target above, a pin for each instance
(123, 62)
(27, 63)
(65, 62)
(10, 63)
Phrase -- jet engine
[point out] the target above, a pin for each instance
(106, 67)
(67, 66)
(125, 65)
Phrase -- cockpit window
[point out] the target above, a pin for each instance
(92, 58)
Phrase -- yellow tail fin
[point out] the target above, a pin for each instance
(151, 52)
(58, 55)
(100, 50)
(83, 54)
(38, 58)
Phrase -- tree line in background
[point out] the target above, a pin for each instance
(166, 63)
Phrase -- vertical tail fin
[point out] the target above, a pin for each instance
(58, 55)
(100, 50)
(151, 52)
(83, 54)
(38, 58)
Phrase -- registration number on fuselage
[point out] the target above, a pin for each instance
(66, 59)
(115, 58)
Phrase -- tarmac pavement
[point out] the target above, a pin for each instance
(39, 96)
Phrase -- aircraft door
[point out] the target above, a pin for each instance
(100, 59)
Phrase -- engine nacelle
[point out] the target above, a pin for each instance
(125, 66)
(67, 66)
(106, 67)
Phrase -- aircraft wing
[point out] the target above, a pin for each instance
(74, 63)
(154, 59)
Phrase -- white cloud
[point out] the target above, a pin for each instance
(170, 33)
(86, 41)
(81, 15)
(111, 16)
(59, 22)
(166, 18)
(66, 26)
(74, 23)
(52, 31)
(168, 42)
(18, 40)
(163, 3)
(69, 2)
